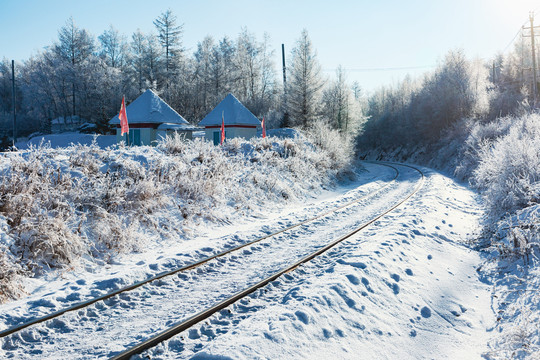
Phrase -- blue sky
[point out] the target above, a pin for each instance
(359, 35)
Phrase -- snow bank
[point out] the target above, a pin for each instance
(67, 139)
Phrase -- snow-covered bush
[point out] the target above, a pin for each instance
(338, 146)
(508, 171)
(10, 270)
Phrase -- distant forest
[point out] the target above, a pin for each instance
(81, 77)
(425, 110)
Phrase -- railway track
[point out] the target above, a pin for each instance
(238, 293)
(186, 324)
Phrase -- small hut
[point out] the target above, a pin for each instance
(238, 121)
(149, 118)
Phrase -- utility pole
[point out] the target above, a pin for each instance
(285, 112)
(533, 52)
(284, 72)
(531, 18)
(13, 102)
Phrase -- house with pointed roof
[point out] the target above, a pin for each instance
(237, 119)
(149, 119)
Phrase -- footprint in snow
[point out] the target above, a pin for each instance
(395, 287)
(353, 279)
(365, 281)
(42, 302)
(409, 272)
(302, 316)
(327, 333)
(194, 334)
(425, 312)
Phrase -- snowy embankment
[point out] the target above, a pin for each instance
(78, 207)
(502, 161)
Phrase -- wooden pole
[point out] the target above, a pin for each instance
(13, 102)
(531, 18)
(285, 110)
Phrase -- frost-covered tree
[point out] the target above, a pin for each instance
(247, 64)
(113, 48)
(170, 38)
(137, 57)
(73, 48)
(204, 90)
(265, 99)
(153, 60)
(145, 61)
(305, 83)
(74, 44)
(5, 87)
(337, 102)
(222, 68)
(453, 92)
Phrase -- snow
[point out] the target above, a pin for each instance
(282, 133)
(170, 126)
(66, 139)
(406, 287)
(232, 111)
(150, 108)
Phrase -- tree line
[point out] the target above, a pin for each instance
(422, 111)
(82, 78)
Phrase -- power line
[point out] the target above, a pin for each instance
(512, 41)
(385, 69)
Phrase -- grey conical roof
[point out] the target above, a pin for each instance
(150, 108)
(234, 113)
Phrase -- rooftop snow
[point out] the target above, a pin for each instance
(233, 111)
(150, 108)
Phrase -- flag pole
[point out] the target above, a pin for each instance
(127, 134)
(122, 116)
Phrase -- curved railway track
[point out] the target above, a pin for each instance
(196, 264)
(203, 315)
(222, 303)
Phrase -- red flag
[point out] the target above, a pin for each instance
(263, 129)
(123, 119)
(222, 129)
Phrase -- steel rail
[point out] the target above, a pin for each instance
(205, 314)
(138, 284)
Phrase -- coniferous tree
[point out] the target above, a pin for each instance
(137, 58)
(304, 84)
(170, 38)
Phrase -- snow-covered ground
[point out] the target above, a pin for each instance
(405, 287)
(66, 139)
